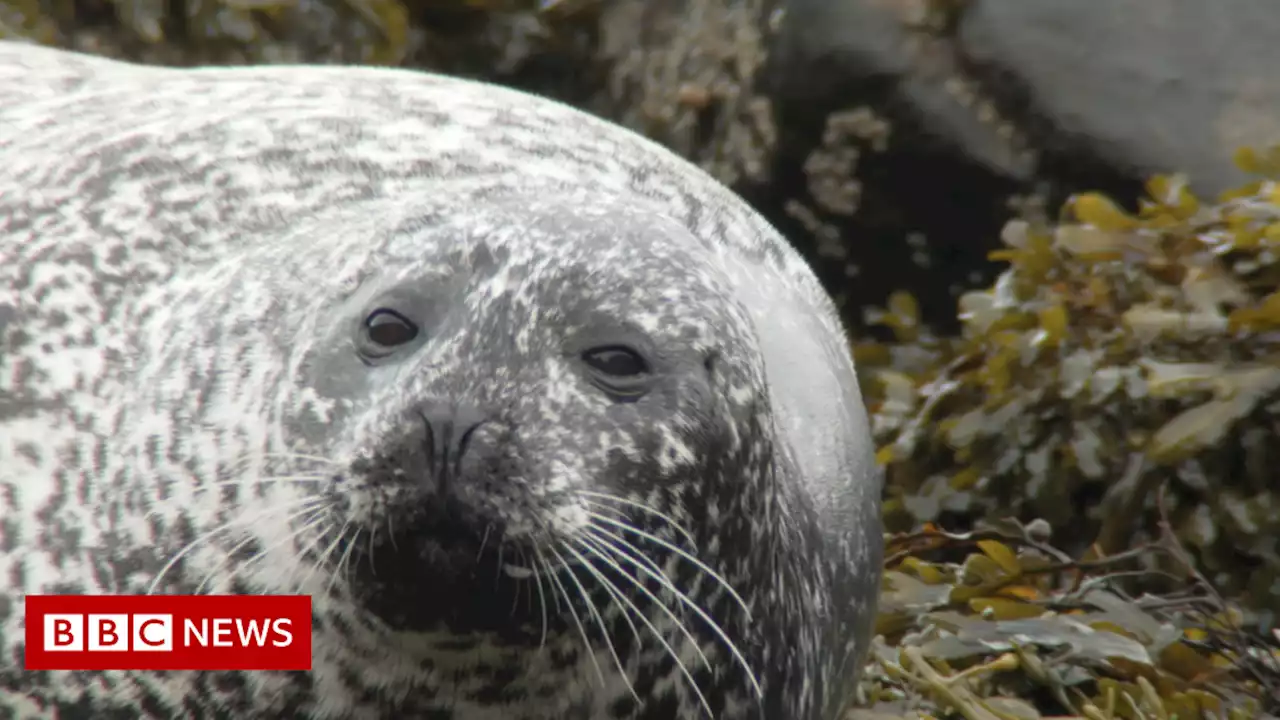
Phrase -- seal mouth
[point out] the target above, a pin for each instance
(449, 569)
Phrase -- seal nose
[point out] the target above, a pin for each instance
(449, 430)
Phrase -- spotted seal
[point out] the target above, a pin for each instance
(546, 422)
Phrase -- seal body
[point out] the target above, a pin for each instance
(546, 422)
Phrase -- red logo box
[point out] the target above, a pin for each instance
(168, 632)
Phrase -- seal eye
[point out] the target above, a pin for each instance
(387, 329)
(616, 361)
(621, 372)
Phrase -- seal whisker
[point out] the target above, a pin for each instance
(601, 507)
(605, 532)
(593, 552)
(373, 542)
(675, 657)
(642, 507)
(317, 537)
(586, 643)
(533, 567)
(323, 559)
(539, 571)
(515, 597)
(484, 541)
(532, 564)
(218, 565)
(497, 570)
(603, 536)
(247, 464)
(595, 612)
(303, 456)
(159, 507)
(219, 529)
(555, 597)
(317, 517)
(260, 481)
(258, 484)
(696, 608)
(340, 569)
(662, 578)
(609, 588)
(612, 538)
(305, 511)
(696, 562)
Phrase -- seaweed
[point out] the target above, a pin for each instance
(1117, 353)
(1015, 629)
(1117, 388)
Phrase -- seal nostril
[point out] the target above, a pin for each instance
(709, 363)
(466, 440)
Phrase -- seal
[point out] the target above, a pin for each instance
(546, 422)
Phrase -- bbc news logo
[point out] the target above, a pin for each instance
(168, 632)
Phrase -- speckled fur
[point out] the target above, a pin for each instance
(183, 256)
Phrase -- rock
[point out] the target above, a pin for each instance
(1153, 86)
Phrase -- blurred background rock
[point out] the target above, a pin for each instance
(1105, 362)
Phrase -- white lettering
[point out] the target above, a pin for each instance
(222, 632)
(227, 631)
(250, 630)
(200, 633)
(281, 627)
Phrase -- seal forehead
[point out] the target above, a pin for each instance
(574, 257)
